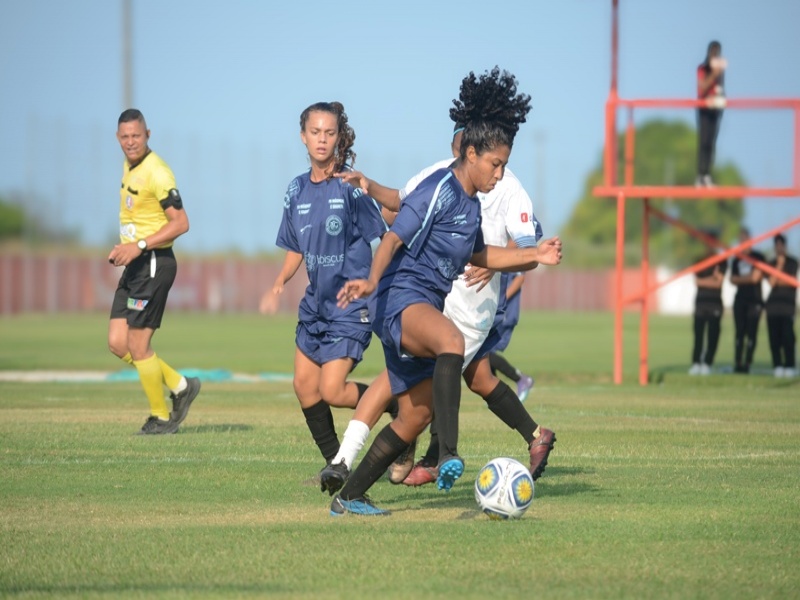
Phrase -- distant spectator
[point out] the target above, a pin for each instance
(747, 304)
(707, 317)
(781, 312)
(710, 88)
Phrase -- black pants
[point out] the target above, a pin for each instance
(704, 353)
(782, 340)
(746, 315)
(708, 121)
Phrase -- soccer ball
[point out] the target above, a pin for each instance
(504, 489)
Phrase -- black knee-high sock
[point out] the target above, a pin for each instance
(431, 457)
(499, 363)
(447, 401)
(382, 453)
(504, 403)
(319, 419)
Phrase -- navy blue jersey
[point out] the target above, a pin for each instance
(331, 224)
(440, 227)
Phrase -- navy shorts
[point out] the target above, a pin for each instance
(323, 343)
(405, 371)
(143, 288)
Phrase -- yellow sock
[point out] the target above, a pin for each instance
(127, 359)
(538, 432)
(172, 379)
(150, 376)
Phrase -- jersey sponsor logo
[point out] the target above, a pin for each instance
(334, 225)
(364, 315)
(137, 304)
(127, 230)
(129, 202)
(336, 203)
(524, 217)
(446, 268)
(313, 261)
(304, 209)
(460, 219)
(304, 227)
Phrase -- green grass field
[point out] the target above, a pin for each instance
(687, 488)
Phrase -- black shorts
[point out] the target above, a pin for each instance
(142, 291)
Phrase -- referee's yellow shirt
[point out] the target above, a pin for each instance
(143, 188)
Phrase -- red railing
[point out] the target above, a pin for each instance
(628, 190)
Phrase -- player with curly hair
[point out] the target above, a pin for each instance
(435, 234)
(477, 305)
(328, 225)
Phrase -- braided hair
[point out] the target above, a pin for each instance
(490, 110)
(343, 153)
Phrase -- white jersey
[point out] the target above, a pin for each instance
(506, 214)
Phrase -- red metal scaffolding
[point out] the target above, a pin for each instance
(626, 190)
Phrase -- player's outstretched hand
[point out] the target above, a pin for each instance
(550, 251)
(354, 178)
(479, 276)
(353, 290)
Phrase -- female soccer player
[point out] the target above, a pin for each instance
(435, 234)
(329, 226)
(506, 216)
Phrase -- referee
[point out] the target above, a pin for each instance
(151, 218)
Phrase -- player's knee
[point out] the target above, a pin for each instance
(452, 344)
(412, 420)
(335, 394)
(303, 390)
(117, 348)
(482, 386)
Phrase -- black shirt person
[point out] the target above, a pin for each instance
(781, 312)
(707, 317)
(747, 305)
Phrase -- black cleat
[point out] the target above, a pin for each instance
(156, 426)
(183, 400)
(332, 477)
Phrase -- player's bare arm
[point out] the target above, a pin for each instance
(385, 196)
(519, 259)
(177, 224)
(269, 301)
(361, 288)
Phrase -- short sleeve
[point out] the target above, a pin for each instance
(287, 236)
(522, 225)
(367, 215)
(162, 181)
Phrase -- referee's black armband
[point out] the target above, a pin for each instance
(173, 199)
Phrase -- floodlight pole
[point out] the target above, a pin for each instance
(127, 55)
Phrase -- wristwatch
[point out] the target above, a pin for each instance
(142, 244)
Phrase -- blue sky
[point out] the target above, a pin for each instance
(222, 85)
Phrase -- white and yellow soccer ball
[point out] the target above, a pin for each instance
(504, 489)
